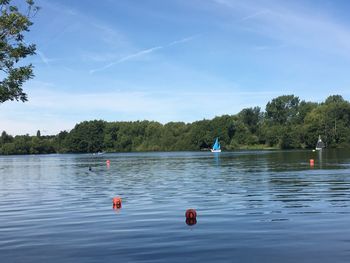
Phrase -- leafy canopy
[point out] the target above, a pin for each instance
(13, 24)
(282, 109)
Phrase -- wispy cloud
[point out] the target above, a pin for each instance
(43, 57)
(184, 40)
(256, 14)
(269, 47)
(126, 58)
(46, 112)
(224, 2)
(293, 24)
(143, 52)
(76, 27)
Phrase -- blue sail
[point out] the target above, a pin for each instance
(216, 145)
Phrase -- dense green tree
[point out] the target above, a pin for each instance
(271, 134)
(336, 119)
(303, 109)
(22, 144)
(173, 135)
(60, 142)
(200, 135)
(86, 137)
(13, 49)
(287, 124)
(290, 137)
(5, 138)
(330, 120)
(334, 99)
(224, 128)
(8, 149)
(242, 136)
(282, 109)
(251, 117)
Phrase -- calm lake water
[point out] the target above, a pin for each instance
(251, 207)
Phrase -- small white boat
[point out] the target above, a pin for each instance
(99, 153)
(216, 146)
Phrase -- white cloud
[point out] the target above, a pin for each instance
(291, 24)
(143, 52)
(256, 14)
(126, 58)
(183, 40)
(47, 126)
(43, 58)
(53, 110)
(61, 24)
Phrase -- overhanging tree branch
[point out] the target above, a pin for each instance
(13, 49)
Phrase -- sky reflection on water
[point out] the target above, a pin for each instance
(252, 207)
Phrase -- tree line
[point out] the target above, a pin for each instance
(286, 123)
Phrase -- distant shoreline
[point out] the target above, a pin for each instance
(286, 123)
(267, 149)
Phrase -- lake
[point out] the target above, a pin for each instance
(252, 206)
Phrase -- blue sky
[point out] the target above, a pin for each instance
(177, 60)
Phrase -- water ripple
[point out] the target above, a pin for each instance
(252, 207)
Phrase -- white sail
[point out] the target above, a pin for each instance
(319, 145)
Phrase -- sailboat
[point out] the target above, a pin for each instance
(216, 146)
(320, 145)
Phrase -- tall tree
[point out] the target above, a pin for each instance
(282, 109)
(251, 117)
(13, 24)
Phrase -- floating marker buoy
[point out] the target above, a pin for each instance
(117, 202)
(191, 222)
(191, 214)
(191, 217)
(312, 162)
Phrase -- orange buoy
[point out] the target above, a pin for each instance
(191, 214)
(117, 202)
(312, 162)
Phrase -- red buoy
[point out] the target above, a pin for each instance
(191, 222)
(117, 202)
(191, 217)
(191, 214)
(312, 162)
